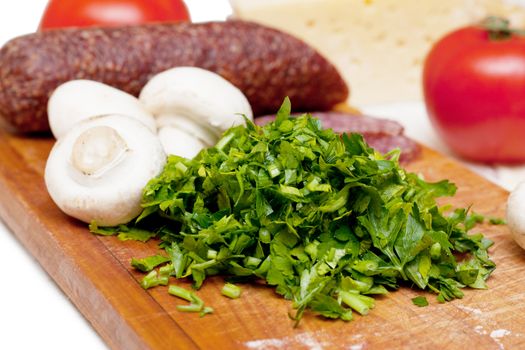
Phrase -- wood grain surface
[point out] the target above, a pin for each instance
(95, 273)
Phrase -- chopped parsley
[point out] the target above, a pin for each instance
(149, 263)
(196, 303)
(497, 221)
(420, 301)
(322, 218)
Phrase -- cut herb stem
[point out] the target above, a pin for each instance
(153, 279)
(190, 308)
(184, 294)
(231, 291)
(359, 303)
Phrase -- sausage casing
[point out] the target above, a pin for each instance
(265, 64)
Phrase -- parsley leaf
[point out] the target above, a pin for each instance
(420, 301)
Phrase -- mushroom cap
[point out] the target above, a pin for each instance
(197, 94)
(516, 214)
(77, 100)
(113, 195)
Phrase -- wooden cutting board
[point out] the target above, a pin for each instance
(95, 273)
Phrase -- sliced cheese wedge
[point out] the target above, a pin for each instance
(378, 45)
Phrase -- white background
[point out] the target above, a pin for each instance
(34, 313)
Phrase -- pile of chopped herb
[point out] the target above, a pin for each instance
(321, 217)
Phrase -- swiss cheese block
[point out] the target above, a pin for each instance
(378, 45)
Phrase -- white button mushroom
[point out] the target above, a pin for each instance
(78, 100)
(98, 170)
(516, 214)
(197, 102)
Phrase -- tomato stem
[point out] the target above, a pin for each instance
(499, 28)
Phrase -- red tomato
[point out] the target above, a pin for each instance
(474, 86)
(83, 13)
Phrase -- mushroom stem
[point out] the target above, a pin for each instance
(98, 149)
(193, 128)
(179, 142)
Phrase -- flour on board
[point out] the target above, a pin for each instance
(305, 339)
(470, 310)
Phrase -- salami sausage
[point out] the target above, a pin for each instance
(381, 134)
(265, 64)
